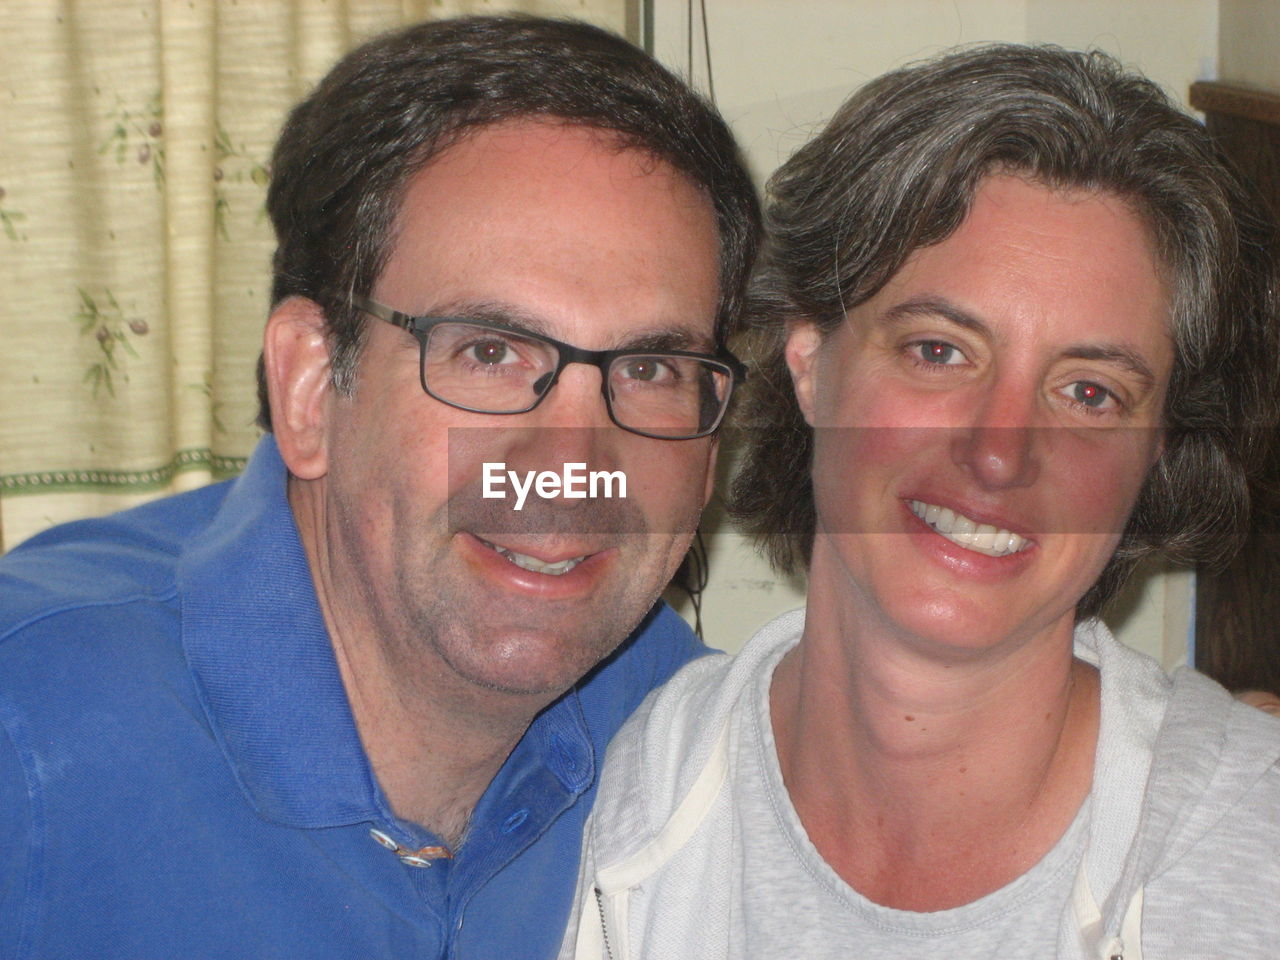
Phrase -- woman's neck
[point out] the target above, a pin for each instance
(929, 778)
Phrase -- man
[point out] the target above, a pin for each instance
(322, 711)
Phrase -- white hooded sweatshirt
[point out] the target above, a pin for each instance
(694, 850)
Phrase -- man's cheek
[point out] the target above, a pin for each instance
(471, 455)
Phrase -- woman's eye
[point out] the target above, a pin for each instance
(937, 352)
(1091, 395)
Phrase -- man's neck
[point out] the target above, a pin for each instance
(432, 751)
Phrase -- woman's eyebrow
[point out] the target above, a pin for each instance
(933, 306)
(1117, 355)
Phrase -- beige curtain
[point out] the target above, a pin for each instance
(134, 252)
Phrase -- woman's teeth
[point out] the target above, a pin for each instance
(959, 529)
(533, 564)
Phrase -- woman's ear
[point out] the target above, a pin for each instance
(803, 341)
(295, 353)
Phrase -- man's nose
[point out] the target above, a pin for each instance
(576, 399)
(571, 424)
(1004, 447)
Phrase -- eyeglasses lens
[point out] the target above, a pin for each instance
(483, 369)
(667, 396)
(490, 370)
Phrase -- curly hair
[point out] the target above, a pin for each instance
(347, 152)
(896, 169)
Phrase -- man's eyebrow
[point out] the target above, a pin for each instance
(1113, 353)
(492, 311)
(673, 338)
(510, 315)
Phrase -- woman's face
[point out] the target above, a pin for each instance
(984, 423)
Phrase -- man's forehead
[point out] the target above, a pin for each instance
(561, 230)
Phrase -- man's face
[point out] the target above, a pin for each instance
(1005, 391)
(557, 229)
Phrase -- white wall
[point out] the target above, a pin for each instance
(780, 68)
(1249, 35)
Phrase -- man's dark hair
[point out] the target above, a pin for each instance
(897, 168)
(346, 153)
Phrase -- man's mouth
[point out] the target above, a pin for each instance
(533, 564)
(959, 529)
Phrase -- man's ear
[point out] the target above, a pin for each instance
(803, 341)
(295, 352)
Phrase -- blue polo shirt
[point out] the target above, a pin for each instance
(181, 776)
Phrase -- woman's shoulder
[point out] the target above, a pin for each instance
(679, 731)
(1215, 883)
(1215, 782)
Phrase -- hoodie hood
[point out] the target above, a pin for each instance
(1210, 753)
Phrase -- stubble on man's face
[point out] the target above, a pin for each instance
(532, 645)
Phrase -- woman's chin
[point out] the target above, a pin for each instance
(957, 626)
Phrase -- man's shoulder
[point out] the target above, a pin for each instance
(92, 669)
(95, 576)
(133, 542)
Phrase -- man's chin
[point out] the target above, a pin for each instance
(530, 662)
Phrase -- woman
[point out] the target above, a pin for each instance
(1030, 337)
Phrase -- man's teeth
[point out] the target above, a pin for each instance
(535, 565)
(956, 527)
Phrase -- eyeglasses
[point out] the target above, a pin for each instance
(491, 368)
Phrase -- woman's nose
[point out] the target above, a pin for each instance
(1003, 448)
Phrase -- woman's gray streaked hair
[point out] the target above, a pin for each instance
(896, 169)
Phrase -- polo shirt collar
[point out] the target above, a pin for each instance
(263, 663)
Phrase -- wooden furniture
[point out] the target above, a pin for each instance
(1238, 609)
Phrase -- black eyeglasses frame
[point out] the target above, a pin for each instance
(567, 353)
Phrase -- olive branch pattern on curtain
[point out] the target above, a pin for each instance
(134, 249)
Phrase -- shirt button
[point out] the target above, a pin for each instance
(383, 839)
(513, 822)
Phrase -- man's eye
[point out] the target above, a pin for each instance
(646, 369)
(937, 352)
(491, 352)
